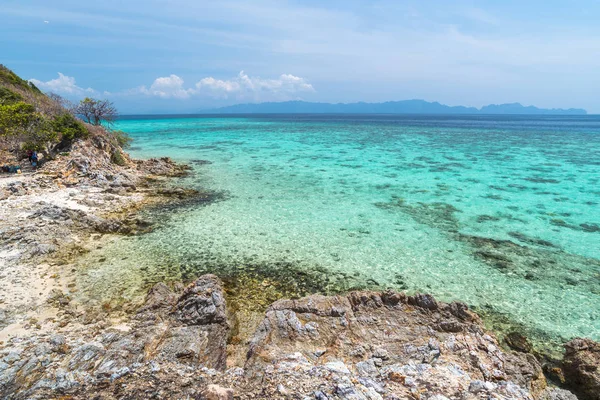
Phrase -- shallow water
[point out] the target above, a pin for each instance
(502, 213)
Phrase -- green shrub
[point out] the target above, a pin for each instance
(7, 76)
(17, 117)
(122, 138)
(117, 158)
(69, 127)
(7, 96)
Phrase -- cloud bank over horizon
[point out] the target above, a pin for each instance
(239, 88)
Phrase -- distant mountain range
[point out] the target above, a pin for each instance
(389, 107)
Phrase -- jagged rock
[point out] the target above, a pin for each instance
(364, 345)
(202, 303)
(188, 331)
(525, 370)
(159, 298)
(582, 367)
(85, 357)
(163, 166)
(405, 345)
(518, 342)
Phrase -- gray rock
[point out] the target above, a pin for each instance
(337, 367)
(202, 303)
(57, 340)
(320, 395)
(85, 357)
(120, 373)
(557, 394)
(367, 368)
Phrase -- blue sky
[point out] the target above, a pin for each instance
(187, 55)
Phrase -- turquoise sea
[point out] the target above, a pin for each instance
(500, 212)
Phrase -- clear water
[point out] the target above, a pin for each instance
(502, 213)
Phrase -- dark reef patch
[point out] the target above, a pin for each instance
(437, 215)
(185, 198)
(521, 237)
(200, 162)
(487, 218)
(516, 336)
(539, 179)
(545, 262)
(584, 227)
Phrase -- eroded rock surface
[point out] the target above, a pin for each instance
(364, 345)
(582, 367)
(387, 344)
(158, 334)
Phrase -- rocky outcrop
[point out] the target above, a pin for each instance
(189, 331)
(163, 167)
(582, 367)
(384, 344)
(364, 345)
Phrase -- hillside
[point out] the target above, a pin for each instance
(389, 107)
(32, 120)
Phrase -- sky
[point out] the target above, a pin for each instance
(182, 56)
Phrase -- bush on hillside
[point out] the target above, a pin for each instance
(21, 124)
(6, 75)
(122, 138)
(7, 96)
(16, 118)
(117, 158)
(32, 120)
(69, 127)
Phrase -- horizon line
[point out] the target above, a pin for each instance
(204, 113)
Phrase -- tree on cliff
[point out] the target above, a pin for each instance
(96, 112)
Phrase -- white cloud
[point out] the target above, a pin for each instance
(243, 84)
(167, 87)
(218, 85)
(64, 85)
(240, 87)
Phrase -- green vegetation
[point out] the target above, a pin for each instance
(9, 77)
(117, 158)
(20, 124)
(7, 96)
(32, 120)
(70, 127)
(122, 138)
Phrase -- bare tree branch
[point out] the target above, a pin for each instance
(96, 112)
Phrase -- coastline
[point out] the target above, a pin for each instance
(52, 217)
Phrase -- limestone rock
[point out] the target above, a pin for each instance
(215, 392)
(202, 303)
(409, 346)
(363, 345)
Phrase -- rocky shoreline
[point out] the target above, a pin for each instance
(51, 216)
(364, 345)
(187, 343)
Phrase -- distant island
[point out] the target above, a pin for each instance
(389, 107)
